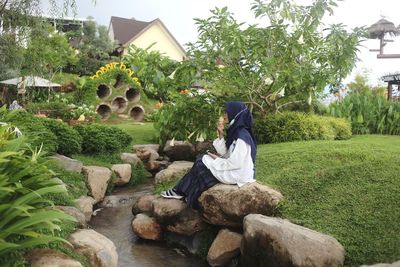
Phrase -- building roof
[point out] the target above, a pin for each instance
(30, 81)
(126, 29)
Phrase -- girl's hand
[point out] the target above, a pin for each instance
(220, 128)
(212, 155)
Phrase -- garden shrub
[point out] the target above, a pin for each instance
(341, 128)
(26, 217)
(97, 138)
(51, 109)
(296, 126)
(190, 115)
(33, 128)
(68, 139)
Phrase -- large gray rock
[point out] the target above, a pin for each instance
(123, 173)
(116, 201)
(147, 154)
(76, 213)
(69, 164)
(166, 211)
(174, 171)
(177, 217)
(187, 223)
(45, 257)
(143, 204)
(96, 247)
(227, 205)
(225, 247)
(394, 264)
(179, 150)
(146, 227)
(154, 147)
(274, 242)
(130, 158)
(85, 204)
(202, 147)
(97, 180)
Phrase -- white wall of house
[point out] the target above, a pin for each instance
(164, 43)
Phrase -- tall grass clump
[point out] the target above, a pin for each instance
(368, 113)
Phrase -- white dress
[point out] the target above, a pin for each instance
(235, 166)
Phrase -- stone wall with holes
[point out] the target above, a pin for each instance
(118, 91)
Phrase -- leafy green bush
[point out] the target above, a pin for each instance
(33, 128)
(368, 113)
(97, 138)
(190, 116)
(296, 126)
(68, 139)
(341, 128)
(26, 217)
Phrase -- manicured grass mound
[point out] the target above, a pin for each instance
(347, 189)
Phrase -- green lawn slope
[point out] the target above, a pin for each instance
(347, 189)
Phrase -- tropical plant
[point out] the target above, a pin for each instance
(33, 128)
(290, 61)
(27, 217)
(368, 113)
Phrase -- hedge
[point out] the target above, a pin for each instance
(296, 126)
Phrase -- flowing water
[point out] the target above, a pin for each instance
(115, 224)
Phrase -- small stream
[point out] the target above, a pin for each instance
(115, 224)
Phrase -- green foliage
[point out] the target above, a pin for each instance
(94, 49)
(296, 126)
(53, 109)
(288, 62)
(368, 113)
(97, 138)
(47, 53)
(33, 128)
(190, 116)
(69, 141)
(139, 174)
(347, 189)
(105, 160)
(64, 78)
(27, 219)
(152, 68)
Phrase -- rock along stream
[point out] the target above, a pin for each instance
(115, 224)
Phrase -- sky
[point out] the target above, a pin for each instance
(178, 16)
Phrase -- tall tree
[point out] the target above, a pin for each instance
(94, 48)
(18, 19)
(291, 60)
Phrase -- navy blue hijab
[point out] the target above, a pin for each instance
(241, 127)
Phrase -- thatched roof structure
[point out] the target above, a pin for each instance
(382, 26)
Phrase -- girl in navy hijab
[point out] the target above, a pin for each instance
(234, 162)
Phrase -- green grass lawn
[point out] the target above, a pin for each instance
(347, 189)
(142, 133)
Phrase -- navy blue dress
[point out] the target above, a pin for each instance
(195, 182)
